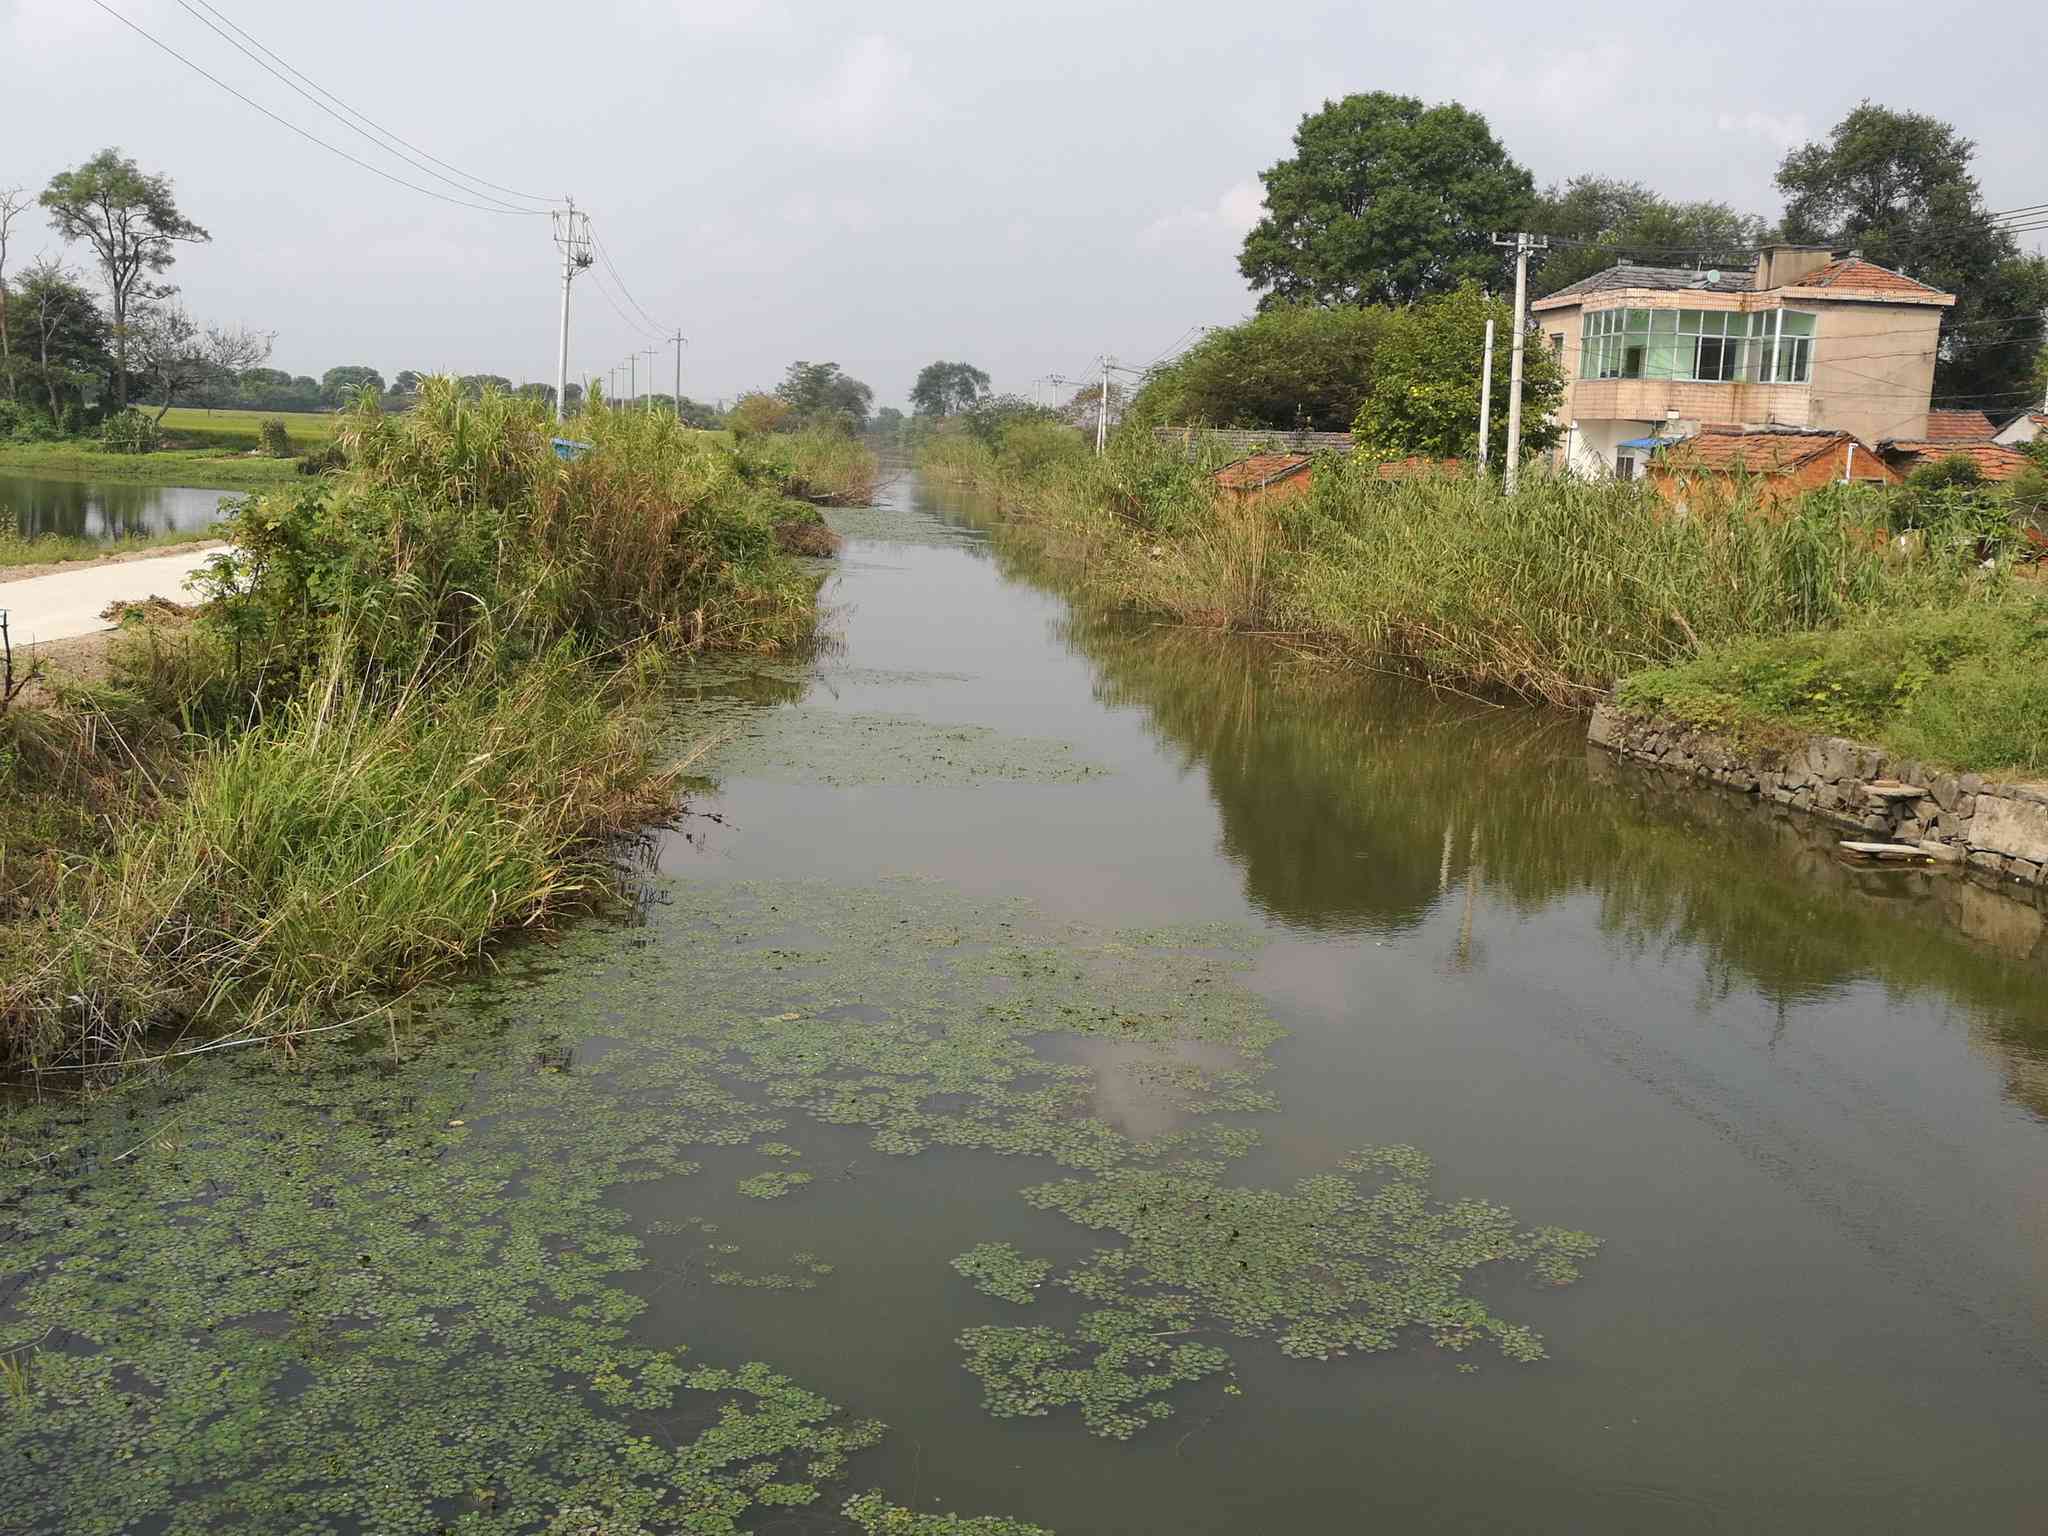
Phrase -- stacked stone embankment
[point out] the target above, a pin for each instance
(1997, 828)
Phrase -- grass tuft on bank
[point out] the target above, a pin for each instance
(422, 703)
(1962, 688)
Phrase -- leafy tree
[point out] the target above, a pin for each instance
(706, 418)
(1384, 201)
(888, 422)
(821, 395)
(1897, 186)
(757, 412)
(175, 358)
(991, 416)
(1425, 384)
(64, 336)
(408, 382)
(339, 384)
(133, 225)
(572, 397)
(545, 393)
(473, 385)
(13, 203)
(1625, 220)
(1291, 368)
(946, 389)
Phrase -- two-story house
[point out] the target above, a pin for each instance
(1805, 340)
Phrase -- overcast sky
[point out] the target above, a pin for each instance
(1020, 186)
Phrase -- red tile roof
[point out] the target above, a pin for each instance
(1994, 460)
(1852, 274)
(1755, 453)
(1419, 468)
(1960, 427)
(1261, 470)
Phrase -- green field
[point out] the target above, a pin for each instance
(211, 469)
(190, 426)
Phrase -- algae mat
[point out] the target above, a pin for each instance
(389, 1290)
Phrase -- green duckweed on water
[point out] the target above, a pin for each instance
(1330, 1268)
(388, 1286)
(805, 744)
(366, 1292)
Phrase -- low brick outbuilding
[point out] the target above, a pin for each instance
(1771, 465)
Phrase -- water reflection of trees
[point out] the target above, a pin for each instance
(1364, 804)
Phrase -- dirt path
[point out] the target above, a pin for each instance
(69, 602)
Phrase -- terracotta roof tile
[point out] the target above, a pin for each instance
(1960, 427)
(1418, 468)
(1755, 453)
(1995, 460)
(1852, 274)
(1260, 470)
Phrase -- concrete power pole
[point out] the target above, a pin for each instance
(573, 240)
(1524, 243)
(679, 338)
(633, 379)
(1486, 399)
(1102, 413)
(648, 353)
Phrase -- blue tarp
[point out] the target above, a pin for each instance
(569, 448)
(1650, 442)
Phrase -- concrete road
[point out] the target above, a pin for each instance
(66, 604)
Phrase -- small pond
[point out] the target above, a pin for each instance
(93, 509)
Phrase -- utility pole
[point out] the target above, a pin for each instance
(632, 379)
(1102, 413)
(1486, 399)
(679, 338)
(648, 353)
(1524, 243)
(573, 240)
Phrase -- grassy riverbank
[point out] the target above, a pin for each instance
(17, 552)
(424, 696)
(1558, 594)
(202, 468)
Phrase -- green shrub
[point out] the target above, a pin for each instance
(129, 431)
(274, 437)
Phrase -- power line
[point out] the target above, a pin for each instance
(617, 309)
(302, 133)
(659, 328)
(352, 127)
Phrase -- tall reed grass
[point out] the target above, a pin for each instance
(362, 839)
(420, 706)
(1556, 594)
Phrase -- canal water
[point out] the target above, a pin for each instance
(90, 509)
(998, 901)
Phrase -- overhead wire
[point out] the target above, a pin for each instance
(281, 74)
(311, 138)
(598, 241)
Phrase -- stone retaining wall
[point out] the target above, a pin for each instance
(1999, 829)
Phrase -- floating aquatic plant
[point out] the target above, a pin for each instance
(999, 1270)
(1352, 1261)
(772, 1185)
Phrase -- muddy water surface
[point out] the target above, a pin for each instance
(1098, 959)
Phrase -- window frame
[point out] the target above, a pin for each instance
(1624, 341)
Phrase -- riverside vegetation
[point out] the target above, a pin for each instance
(1572, 588)
(424, 692)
